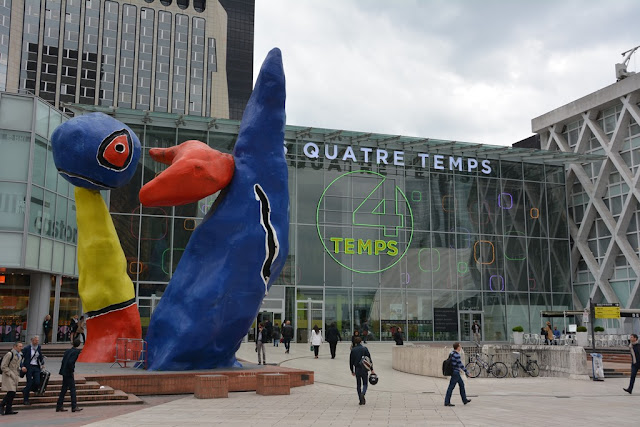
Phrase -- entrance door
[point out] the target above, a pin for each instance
(466, 320)
(309, 313)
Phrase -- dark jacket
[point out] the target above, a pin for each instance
(287, 331)
(264, 337)
(26, 356)
(635, 350)
(333, 335)
(397, 337)
(276, 332)
(68, 366)
(46, 325)
(354, 359)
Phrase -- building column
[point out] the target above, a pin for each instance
(55, 316)
(39, 294)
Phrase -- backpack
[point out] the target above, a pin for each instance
(447, 367)
(365, 362)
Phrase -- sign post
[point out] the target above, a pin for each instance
(608, 311)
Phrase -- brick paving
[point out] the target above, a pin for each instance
(399, 399)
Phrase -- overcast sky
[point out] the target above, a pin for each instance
(465, 70)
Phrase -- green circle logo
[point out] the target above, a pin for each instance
(375, 218)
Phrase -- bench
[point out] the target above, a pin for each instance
(211, 386)
(272, 384)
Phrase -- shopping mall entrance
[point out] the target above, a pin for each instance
(466, 321)
(309, 313)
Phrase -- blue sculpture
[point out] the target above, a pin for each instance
(95, 151)
(239, 249)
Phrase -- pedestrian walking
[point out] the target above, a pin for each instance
(359, 369)
(261, 339)
(10, 375)
(276, 335)
(46, 326)
(287, 335)
(333, 336)
(67, 369)
(73, 327)
(82, 324)
(397, 337)
(356, 334)
(316, 340)
(268, 326)
(475, 328)
(634, 346)
(32, 364)
(456, 376)
(365, 332)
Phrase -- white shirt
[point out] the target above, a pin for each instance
(34, 358)
(316, 339)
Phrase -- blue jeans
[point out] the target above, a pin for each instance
(33, 381)
(455, 379)
(362, 381)
(632, 380)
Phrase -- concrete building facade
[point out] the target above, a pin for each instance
(603, 196)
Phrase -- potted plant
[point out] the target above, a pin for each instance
(518, 335)
(598, 329)
(581, 336)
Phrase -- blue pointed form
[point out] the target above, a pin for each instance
(238, 251)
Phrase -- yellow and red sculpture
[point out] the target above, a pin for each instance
(97, 152)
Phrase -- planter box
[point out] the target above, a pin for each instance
(518, 338)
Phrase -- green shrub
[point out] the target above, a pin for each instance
(582, 329)
(517, 329)
(598, 329)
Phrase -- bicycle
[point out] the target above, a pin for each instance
(477, 363)
(531, 367)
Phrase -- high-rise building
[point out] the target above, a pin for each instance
(603, 196)
(175, 56)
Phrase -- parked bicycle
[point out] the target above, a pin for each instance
(478, 363)
(530, 368)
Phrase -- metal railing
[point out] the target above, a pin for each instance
(131, 350)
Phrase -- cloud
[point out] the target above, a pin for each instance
(467, 70)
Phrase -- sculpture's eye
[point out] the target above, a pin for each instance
(115, 152)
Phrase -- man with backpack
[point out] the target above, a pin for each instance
(456, 367)
(360, 364)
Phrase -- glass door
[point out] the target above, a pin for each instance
(309, 313)
(466, 321)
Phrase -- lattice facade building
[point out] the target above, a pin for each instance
(603, 196)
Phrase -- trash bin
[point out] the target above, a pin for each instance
(598, 368)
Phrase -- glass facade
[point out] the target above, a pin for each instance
(180, 54)
(382, 236)
(109, 50)
(127, 55)
(38, 229)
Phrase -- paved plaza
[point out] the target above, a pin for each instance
(398, 399)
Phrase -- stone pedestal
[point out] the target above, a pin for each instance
(272, 384)
(211, 386)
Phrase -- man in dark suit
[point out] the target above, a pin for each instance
(358, 370)
(67, 368)
(333, 335)
(32, 363)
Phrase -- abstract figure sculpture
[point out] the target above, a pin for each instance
(97, 152)
(239, 249)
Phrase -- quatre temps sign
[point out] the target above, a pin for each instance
(364, 221)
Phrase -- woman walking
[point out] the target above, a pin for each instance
(316, 339)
